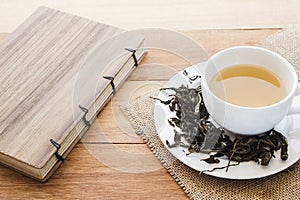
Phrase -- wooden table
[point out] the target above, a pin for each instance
(88, 175)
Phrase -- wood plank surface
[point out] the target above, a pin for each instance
(170, 14)
(111, 162)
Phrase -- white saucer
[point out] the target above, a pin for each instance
(245, 170)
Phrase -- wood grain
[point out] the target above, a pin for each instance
(171, 14)
(84, 175)
(49, 66)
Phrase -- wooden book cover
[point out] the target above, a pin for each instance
(57, 71)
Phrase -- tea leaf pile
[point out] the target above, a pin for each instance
(191, 125)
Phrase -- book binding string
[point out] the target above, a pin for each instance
(133, 56)
(57, 146)
(85, 110)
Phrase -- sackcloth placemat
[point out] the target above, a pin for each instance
(283, 185)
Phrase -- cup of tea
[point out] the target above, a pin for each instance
(248, 90)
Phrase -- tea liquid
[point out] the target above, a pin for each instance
(248, 85)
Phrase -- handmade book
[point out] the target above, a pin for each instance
(57, 71)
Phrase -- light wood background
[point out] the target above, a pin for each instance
(216, 24)
(172, 14)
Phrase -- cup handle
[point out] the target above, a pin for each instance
(289, 126)
(295, 107)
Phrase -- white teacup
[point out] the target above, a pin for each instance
(250, 120)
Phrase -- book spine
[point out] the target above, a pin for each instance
(86, 110)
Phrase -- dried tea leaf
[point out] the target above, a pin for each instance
(202, 136)
(211, 138)
(211, 159)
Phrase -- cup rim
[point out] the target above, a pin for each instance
(288, 96)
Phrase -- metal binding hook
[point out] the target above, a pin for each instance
(85, 110)
(111, 83)
(57, 146)
(133, 51)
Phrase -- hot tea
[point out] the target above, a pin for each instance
(247, 85)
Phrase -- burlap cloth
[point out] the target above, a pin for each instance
(283, 185)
